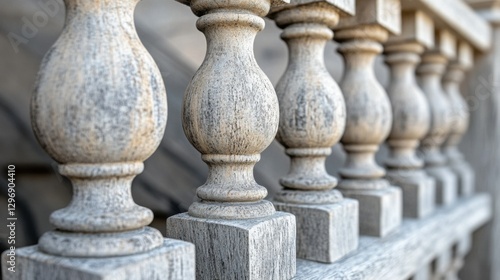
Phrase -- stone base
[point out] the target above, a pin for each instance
(442, 264)
(173, 260)
(419, 192)
(325, 232)
(446, 184)
(380, 210)
(423, 273)
(466, 178)
(259, 248)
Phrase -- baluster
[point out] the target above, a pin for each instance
(230, 115)
(460, 118)
(312, 119)
(369, 115)
(411, 115)
(430, 72)
(99, 109)
(459, 124)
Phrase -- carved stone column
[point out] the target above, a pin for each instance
(99, 109)
(459, 118)
(430, 73)
(369, 115)
(231, 114)
(312, 119)
(411, 114)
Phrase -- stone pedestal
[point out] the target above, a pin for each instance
(326, 232)
(446, 184)
(465, 176)
(419, 191)
(380, 210)
(257, 248)
(173, 260)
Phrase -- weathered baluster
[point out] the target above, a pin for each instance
(430, 72)
(411, 116)
(369, 115)
(99, 109)
(459, 124)
(459, 118)
(312, 119)
(230, 115)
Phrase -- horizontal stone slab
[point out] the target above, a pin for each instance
(400, 254)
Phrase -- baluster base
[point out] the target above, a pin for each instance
(174, 260)
(380, 210)
(258, 248)
(446, 184)
(466, 177)
(325, 232)
(443, 262)
(419, 192)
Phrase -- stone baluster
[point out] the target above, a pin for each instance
(369, 115)
(312, 120)
(430, 73)
(99, 109)
(459, 118)
(459, 124)
(411, 114)
(230, 115)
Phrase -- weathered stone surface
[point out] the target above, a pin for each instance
(380, 210)
(419, 192)
(383, 13)
(325, 232)
(173, 260)
(259, 248)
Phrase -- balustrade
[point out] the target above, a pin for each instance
(99, 109)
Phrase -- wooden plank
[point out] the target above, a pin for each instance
(457, 16)
(401, 254)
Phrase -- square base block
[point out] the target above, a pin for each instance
(326, 232)
(446, 184)
(419, 193)
(174, 260)
(466, 178)
(380, 210)
(260, 248)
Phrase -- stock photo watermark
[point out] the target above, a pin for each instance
(31, 25)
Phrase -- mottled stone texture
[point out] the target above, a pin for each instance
(259, 248)
(327, 232)
(173, 260)
(446, 185)
(380, 210)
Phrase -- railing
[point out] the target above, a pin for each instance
(99, 109)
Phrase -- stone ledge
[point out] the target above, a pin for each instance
(400, 254)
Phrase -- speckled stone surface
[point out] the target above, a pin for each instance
(173, 260)
(446, 184)
(380, 210)
(325, 232)
(419, 192)
(259, 248)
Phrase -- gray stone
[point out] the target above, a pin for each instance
(419, 192)
(380, 210)
(173, 260)
(258, 248)
(466, 177)
(446, 184)
(325, 232)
